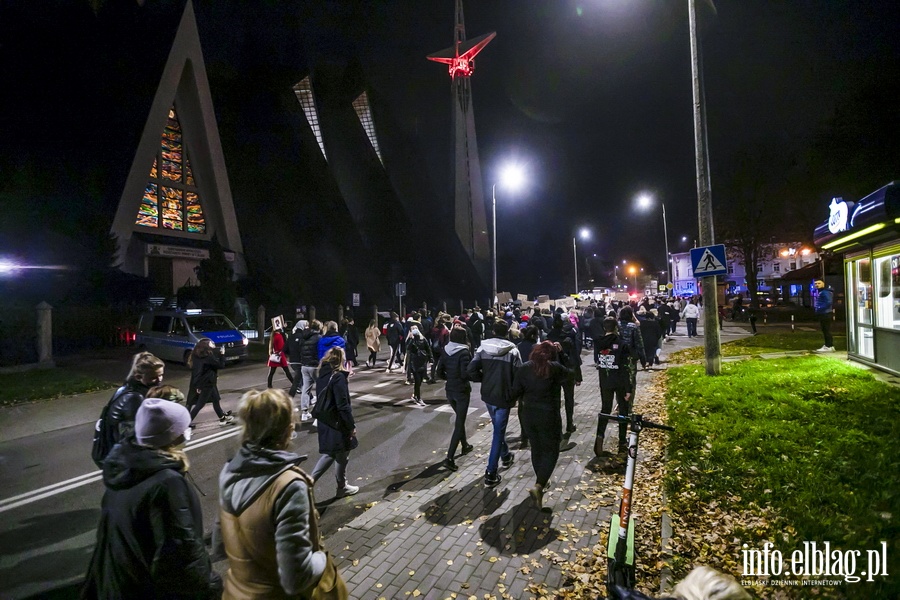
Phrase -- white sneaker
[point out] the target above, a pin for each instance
(824, 349)
(305, 416)
(227, 419)
(349, 490)
(419, 401)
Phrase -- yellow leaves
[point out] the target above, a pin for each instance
(493, 559)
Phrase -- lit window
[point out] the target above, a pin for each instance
(171, 200)
(364, 112)
(304, 93)
(887, 291)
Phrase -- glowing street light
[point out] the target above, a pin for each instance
(645, 202)
(512, 177)
(585, 234)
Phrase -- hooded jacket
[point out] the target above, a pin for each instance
(333, 440)
(329, 341)
(494, 365)
(456, 359)
(287, 536)
(150, 536)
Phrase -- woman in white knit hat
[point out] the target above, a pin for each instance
(150, 536)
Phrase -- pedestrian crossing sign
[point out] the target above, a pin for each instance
(709, 261)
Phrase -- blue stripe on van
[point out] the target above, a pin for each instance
(219, 337)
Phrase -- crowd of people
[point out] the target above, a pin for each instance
(150, 535)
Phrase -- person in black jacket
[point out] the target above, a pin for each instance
(150, 536)
(294, 346)
(205, 361)
(494, 364)
(563, 333)
(336, 440)
(615, 381)
(146, 372)
(351, 340)
(309, 361)
(394, 333)
(529, 340)
(650, 334)
(418, 355)
(454, 365)
(537, 384)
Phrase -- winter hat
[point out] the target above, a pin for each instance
(301, 324)
(159, 423)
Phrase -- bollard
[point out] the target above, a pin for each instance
(792, 323)
(261, 323)
(765, 318)
(312, 313)
(375, 313)
(444, 304)
(340, 318)
(45, 333)
(461, 309)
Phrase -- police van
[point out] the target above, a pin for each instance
(172, 334)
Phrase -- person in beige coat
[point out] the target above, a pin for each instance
(373, 342)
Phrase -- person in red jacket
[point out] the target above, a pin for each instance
(277, 351)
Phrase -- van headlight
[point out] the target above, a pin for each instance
(246, 341)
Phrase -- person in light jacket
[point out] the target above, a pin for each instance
(264, 525)
(691, 314)
(373, 342)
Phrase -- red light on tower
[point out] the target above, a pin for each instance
(461, 55)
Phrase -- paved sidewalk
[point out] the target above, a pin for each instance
(436, 532)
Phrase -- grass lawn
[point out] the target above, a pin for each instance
(776, 341)
(42, 384)
(785, 450)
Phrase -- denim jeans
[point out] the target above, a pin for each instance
(691, 327)
(340, 472)
(499, 420)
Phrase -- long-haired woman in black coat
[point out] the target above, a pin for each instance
(337, 437)
(538, 384)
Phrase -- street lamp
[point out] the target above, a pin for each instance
(633, 272)
(645, 201)
(585, 233)
(512, 177)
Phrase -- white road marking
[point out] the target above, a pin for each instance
(378, 385)
(94, 476)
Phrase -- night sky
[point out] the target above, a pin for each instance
(592, 98)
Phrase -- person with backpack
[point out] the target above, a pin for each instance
(630, 334)
(418, 353)
(615, 381)
(150, 535)
(116, 422)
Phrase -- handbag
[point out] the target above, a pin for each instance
(275, 357)
(325, 408)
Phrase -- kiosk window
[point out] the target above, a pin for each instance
(887, 291)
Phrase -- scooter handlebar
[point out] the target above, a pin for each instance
(636, 419)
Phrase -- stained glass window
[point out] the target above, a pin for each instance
(171, 200)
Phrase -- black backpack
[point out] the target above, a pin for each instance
(103, 439)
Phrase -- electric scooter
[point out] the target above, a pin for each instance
(620, 552)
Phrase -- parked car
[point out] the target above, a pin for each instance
(171, 334)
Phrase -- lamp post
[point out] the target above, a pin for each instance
(511, 176)
(585, 234)
(633, 272)
(646, 201)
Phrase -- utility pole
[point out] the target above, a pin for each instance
(704, 199)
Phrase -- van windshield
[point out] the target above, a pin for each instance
(204, 323)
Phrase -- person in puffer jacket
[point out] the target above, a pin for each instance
(630, 334)
(494, 365)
